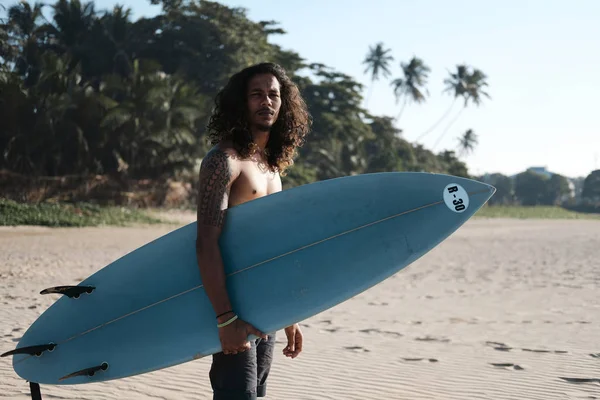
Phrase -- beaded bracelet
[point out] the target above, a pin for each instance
(227, 322)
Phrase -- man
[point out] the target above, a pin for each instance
(258, 123)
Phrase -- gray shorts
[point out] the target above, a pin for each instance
(243, 376)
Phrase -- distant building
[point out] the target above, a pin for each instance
(541, 170)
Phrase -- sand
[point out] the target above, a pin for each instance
(503, 309)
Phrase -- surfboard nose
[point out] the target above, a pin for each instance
(482, 192)
(491, 190)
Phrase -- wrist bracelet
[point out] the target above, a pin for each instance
(226, 312)
(227, 322)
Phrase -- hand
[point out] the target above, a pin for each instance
(234, 337)
(294, 337)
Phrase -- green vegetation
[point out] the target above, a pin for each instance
(531, 188)
(70, 215)
(98, 95)
(532, 212)
(90, 92)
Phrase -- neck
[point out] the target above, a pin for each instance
(260, 138)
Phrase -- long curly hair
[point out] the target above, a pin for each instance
(229, 122)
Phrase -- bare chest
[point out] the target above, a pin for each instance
(253, 182)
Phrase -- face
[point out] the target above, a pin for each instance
(264, 101)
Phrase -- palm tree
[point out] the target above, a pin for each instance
(465, 84)
(377, 61)
(70, 29)
(411, 86)
(154, 126)
(457, 84)
(470, 89)
(23, 37)
(467, 142)
(476, 81)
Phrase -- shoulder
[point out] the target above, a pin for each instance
(221, 159)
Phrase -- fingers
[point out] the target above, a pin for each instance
(233, 343)
(236, 351)
(291, 345)
(241, 349)
(298, 344)
(294, 346)
(253, 331)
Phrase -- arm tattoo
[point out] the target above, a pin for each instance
(214, 179)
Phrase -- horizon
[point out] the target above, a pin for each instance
(537, 56)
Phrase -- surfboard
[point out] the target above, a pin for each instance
(288, 256)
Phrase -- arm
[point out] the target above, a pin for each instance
(217, 174)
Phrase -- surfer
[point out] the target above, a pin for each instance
(259, 121)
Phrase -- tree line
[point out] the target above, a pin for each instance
(94, 92)
(84, 91)
(531, 188)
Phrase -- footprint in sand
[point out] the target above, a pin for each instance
(580, 380)
(431, 339)
(508, 365)
(357, 348)
(373, 303)
(546, 351)
(498, 346)
(387, 333)
(536, 351)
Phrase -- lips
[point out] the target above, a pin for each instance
(265, 113)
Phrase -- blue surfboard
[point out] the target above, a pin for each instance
(288, 256)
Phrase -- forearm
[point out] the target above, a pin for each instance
(213, 277)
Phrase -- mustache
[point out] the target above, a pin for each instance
(265, 109)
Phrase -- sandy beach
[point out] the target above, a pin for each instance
(503, 309)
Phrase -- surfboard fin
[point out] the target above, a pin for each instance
(87, 371)
(69, 291)
(31, 350)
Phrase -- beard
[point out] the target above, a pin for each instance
(262, 127)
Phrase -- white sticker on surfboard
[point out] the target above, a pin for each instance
(456, 198)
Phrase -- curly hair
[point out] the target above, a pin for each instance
(228, 121)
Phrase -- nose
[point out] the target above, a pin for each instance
(266, 100)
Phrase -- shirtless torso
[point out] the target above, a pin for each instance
(254, 179)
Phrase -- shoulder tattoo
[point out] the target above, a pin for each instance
(215, 176)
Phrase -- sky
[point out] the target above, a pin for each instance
(542, 59)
